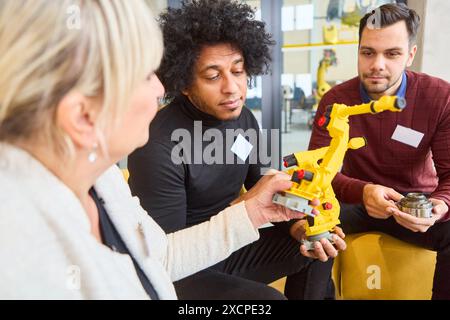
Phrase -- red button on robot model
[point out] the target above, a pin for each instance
(327, 206)
(322, 120)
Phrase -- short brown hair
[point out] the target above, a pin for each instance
(391, 14)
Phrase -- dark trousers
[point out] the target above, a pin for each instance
(246, 273)
(354, 219)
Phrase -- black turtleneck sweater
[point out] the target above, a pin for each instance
(182, 195)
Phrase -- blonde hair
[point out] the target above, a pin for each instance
(101, 48)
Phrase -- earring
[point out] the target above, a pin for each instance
(92, 157)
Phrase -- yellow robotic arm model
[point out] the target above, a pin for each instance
(329, 60)
(312, 180)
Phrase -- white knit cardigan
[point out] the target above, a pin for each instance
(48, 252)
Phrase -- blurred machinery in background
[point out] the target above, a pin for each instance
(288, 95)
(329, 59)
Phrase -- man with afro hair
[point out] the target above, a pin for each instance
(213, 48)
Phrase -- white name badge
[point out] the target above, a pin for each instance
(241, 147)
(407, 136)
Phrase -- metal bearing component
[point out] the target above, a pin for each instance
(417, 205)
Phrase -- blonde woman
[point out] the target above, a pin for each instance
(77, 94)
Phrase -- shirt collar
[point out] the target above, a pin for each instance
(401, 92)
(197, 115)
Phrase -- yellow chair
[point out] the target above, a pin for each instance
(378, 266)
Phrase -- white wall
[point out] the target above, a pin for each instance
(307, 61)
(434, 45)
(157, 5)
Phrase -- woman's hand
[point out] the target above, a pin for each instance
(258, 200)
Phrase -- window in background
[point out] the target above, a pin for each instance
(320, 50)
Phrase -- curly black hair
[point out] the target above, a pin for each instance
(200, 23)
